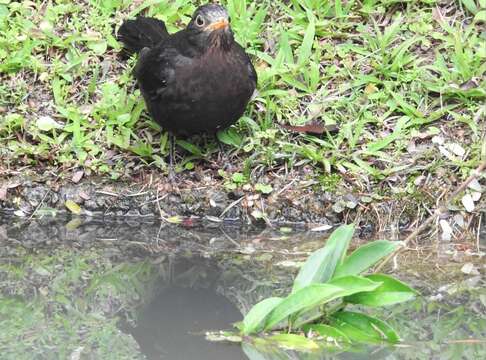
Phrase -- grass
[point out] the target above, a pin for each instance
(55, 304)
(391, 75)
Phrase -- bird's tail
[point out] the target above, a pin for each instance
(141, 33)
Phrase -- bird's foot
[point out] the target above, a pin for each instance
(172, 175)
(221, 153)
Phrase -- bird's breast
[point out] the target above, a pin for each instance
(216, 74)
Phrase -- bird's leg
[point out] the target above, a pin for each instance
(221, 148)
(171, 157)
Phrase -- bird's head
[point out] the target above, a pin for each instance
(210, 26)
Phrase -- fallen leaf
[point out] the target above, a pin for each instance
(42, 271)
(257, 214)
(313, 127)
(73, 207)
(456, 149)
(285, 230)
(289, 264)
(459, 220)
(3, 193)
(438, 140)
(468, 202)
(447, 153)
(446, 230)
(475, 185)
(76, 354)
(370, 89)
(84, 196)
(322, 228)
(469, 269)
(46, 26)
(19, 213)
(77, 176)
(44, 291)
(74, 224)
(174, 219)
(419, 180)
(475, 196)
(46, 123)
(248, 250)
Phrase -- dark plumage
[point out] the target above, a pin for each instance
(193, 81)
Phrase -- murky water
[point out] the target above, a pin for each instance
(85, 289)
(173, 325)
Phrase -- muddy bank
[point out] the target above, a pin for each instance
(99, 197)
(297, 200)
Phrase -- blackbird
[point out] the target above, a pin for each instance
(197, 80)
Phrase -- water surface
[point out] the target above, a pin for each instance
(128, 290)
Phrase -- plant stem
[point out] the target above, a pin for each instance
(332, 310)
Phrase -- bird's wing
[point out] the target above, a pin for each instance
(155, 70)
(244, 58)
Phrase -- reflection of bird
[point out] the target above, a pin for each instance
(198, 80)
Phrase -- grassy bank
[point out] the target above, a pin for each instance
(403, 82)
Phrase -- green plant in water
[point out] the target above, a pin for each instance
(326, 284)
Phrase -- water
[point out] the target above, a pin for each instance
(172, 326)
(86, 289)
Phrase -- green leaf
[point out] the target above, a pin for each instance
(307, 297)
(230, 137)
(354, 284)
(313, 295)
(321, 264)
(390, 292)
(264, 188)
(305, 50)
(238, 178)
(480, 17)
(255, 319)
(377, 145)
(285, 48)
(193, 149)
(326, 332)
(142, 149)
(364, 257)
(470, 5)
(363, 328)
(99, 47)
(294, 342)
(252, 352)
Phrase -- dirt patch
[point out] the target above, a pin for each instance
(298, 201)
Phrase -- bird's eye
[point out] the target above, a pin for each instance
(199, 20)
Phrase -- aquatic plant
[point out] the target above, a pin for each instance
(316, 310)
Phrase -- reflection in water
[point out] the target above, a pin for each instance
(172, 326)
(108, 269)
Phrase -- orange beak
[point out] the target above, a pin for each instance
(221, 24)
